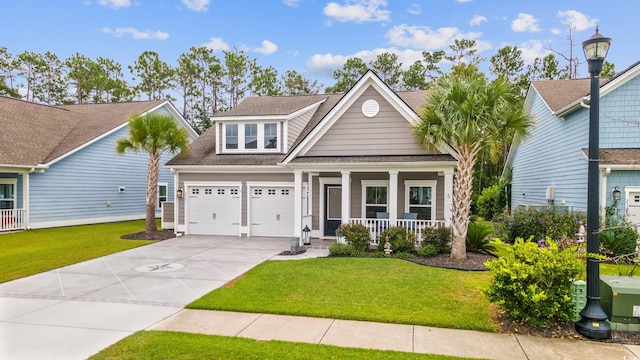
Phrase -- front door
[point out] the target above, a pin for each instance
(332, 209)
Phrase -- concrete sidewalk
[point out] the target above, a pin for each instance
(408, 338)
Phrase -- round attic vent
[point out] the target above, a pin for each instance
(370, 108)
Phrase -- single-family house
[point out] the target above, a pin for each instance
(278, 165)
(550, 166)
(59, 166)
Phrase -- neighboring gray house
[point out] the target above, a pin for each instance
(59, 166)
(551, 165)
(273, 165)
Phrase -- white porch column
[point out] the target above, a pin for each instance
(297, 204)
(26, 198)
(346, 197)
(393, 197)
(448, 196)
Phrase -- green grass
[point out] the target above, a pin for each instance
(613, 269)
(172, 345)
(381, 290)
(31, 252)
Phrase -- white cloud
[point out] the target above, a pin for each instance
(115, 4)
(533, 49)
(555, 31)
(267, 48)
(577, 20)
(463, 1)
(136, 34)
(415, 9)
(216, 44)
(477, 20)
(325, 64)
(525, 23)
(196, 5)
(358, 11)
(423, 37)
(292, 3)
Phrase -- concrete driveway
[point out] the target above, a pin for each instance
(76, 311)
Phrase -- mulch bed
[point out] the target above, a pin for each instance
(153, 235)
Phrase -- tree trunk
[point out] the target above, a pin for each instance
(152, 192)
(462, 189)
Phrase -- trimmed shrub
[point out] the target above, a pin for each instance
(338, 249)
(356, 235)
(428, 250)
(478, 237)
(539, 223)
(533, 284)
(403, 255)
(400, 239)
(438, 238)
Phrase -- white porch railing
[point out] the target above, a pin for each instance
(12, 219)
(377, 226)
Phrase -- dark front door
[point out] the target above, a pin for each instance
(332, 209)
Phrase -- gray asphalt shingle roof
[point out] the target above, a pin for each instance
(36, 134)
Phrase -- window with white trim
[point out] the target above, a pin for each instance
(8, 194)
(163, 189)
(374, 198)
(420, 198)
(251, 137)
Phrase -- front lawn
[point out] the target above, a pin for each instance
(27, 253)
(175, 346)
(382, 290)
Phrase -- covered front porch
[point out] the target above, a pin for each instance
(13, 215)
(416, 196)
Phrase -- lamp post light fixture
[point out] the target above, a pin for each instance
(593, 322)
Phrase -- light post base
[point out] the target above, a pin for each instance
(593, 322)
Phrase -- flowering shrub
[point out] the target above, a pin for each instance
(532, 283)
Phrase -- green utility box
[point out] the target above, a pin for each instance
(620, 298)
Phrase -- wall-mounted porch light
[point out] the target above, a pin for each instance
(179, 193)
(615, 194)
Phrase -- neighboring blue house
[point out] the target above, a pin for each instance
(550, 166)
(59, 166)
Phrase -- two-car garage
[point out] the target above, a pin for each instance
(224, 209)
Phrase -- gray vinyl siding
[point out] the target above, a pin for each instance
(84, 185)
(387, 133)
(296, 125)
(552, 156)
(242, 178)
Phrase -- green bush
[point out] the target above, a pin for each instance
(439, 238)
(400, 239)
(403, 255)
(492, 201)
(478, 237)
(339, 249)
(618, 236)
(428, 250)
(533, 284)
(539, 223)
(356, 235)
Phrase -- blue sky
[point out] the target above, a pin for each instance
(314, 37)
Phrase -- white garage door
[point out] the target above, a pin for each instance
(214, 210)
(634, 207)
(271, 211)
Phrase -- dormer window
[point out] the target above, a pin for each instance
(251, 137)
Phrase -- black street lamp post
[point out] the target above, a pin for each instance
(593, 323)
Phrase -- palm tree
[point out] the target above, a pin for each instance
(153, 134)
(467, 112)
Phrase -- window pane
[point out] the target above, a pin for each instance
(250, 136)
(376, 195)
(424, 212)
(419, 195)
(231, 141)
(270, 136)
(371, 211)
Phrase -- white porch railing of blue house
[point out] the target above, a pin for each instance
(12, 219)
(377, 226)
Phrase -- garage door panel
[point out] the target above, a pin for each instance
(271, 211)
(214, 210)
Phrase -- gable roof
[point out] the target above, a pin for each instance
(203, 150)
(35, 135)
